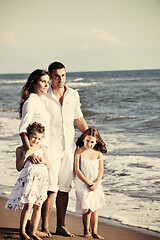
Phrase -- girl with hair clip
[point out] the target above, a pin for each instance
(31, 187)
(88, 165)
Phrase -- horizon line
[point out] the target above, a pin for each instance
(149, 69)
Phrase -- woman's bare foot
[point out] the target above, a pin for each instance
(97, 236)
(24, 236)
(87, 235)
(64, 232)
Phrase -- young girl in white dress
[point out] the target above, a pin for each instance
(31, 187)
(88, 165)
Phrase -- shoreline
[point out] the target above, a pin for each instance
(9, 225)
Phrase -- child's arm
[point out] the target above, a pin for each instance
(77, 169)
(100, 173)
(25, 140)
(45, 158)
(21, 157)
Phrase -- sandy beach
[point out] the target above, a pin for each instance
(9, 224)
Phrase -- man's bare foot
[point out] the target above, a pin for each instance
(24, 236)
(97, 236)
(64, 232)
(47, 232)
(41, 234)
(87, 235)
(35, 237)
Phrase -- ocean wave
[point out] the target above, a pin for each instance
(8, 109)
(78, 79)
(13, 81)
(9, 127)
(80, 84)
(119, 118)
(89, 113)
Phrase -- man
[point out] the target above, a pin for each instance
(63, 105)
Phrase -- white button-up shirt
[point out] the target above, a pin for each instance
(34, 110)
(61, 130)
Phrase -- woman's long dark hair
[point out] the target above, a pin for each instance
(100, 145)
(29, 86)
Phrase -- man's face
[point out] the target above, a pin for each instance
(58, 78)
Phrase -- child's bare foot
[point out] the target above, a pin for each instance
(97, 236)
(24, 236)
(87, 235)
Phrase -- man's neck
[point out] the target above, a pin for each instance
(59, 93)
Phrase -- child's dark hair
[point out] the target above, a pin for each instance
(35, 127)
(100, 145)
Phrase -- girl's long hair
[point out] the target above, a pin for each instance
(100, 145)
(30, 85)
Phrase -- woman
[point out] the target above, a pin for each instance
(32, 107)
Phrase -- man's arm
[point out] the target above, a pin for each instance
(81, 124)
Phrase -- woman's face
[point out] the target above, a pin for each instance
(42, 85)
(89, 141)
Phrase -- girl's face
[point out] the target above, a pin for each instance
(89, 141)
(42, 85)
(35, 138)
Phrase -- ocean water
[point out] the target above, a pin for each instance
(124, 107)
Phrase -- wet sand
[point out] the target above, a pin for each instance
(9, 227)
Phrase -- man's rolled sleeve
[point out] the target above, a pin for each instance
(77, 112)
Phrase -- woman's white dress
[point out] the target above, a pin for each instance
(86, 199)
(31, 186)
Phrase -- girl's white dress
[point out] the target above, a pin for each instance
(86, 199)
(31, 186)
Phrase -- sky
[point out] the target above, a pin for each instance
(85, 35)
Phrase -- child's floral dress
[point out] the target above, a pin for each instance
(31, 186)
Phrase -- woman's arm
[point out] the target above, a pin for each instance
(77, 169)
(28, 111)
(25, 140)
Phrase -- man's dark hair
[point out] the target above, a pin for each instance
(54, 66)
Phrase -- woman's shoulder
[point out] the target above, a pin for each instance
(31, 99)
